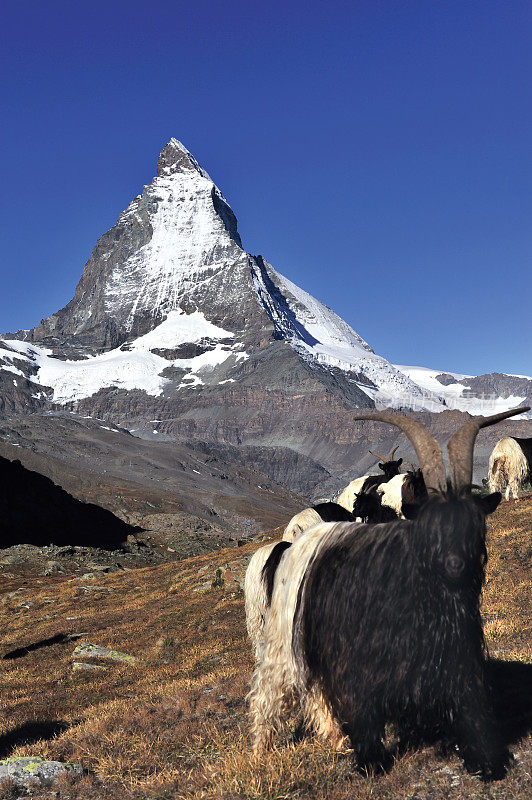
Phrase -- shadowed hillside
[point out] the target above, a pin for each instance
(33, 510)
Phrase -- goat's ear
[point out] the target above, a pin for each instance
(489, 502)
(399, 462)
(381, 466)
(410, 510)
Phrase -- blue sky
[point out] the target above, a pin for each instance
(376, 153)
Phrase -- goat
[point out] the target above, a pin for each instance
(403, 493)
(368, 506)
(376, 624)
(301, 522)
(321, 512)
(390, 468)
(510, 465)
(398, 497)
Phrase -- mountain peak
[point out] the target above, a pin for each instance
(174, 158)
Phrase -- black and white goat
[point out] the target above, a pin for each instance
(398, 497)
(510, 465)
(403, 493)
(366, 483)
(376, 624)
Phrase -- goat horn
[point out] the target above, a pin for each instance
(390, 457)
(381, 458)
(427, 448)
(461, 444)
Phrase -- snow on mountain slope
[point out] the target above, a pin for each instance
(135, 366)
(189, 242)
(458, 395)
(320, 336)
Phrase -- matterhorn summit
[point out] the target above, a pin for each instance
(174, 247)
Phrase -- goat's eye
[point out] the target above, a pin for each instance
(454, 565)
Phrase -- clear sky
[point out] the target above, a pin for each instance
(376, 153)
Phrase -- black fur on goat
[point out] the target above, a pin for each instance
(333, 512)
(392, 632)
(368, 508)
(270, 567)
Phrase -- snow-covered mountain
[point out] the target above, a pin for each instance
(170, 305)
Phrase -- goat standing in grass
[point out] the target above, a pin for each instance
(510, 465)
(376, 624)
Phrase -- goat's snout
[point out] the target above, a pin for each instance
(454, 565)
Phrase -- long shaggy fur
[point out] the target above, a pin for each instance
(376, 624)
(270, 568)
(279, 680)
(255, 594)
(258, 583)
(509, 466)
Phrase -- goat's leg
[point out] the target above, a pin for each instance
(514, 486)
(320, 719)
(478, 740)
(366, 733)
(269, 700)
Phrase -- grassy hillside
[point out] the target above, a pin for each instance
(173, 723)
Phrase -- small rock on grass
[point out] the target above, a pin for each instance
(26, 771)
(88, 650)
(79, 666)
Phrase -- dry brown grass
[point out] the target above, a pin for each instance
(173, 725)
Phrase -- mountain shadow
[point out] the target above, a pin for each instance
(33, 510)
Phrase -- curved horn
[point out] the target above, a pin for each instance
(427, 448)
(461, 444)
(390, 457)
(381, 458)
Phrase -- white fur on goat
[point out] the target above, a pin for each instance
(348, 496)
(391, 493)
(255, 594)
(301, 522)
(508, 467)
(256, 601)
(280, 674)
